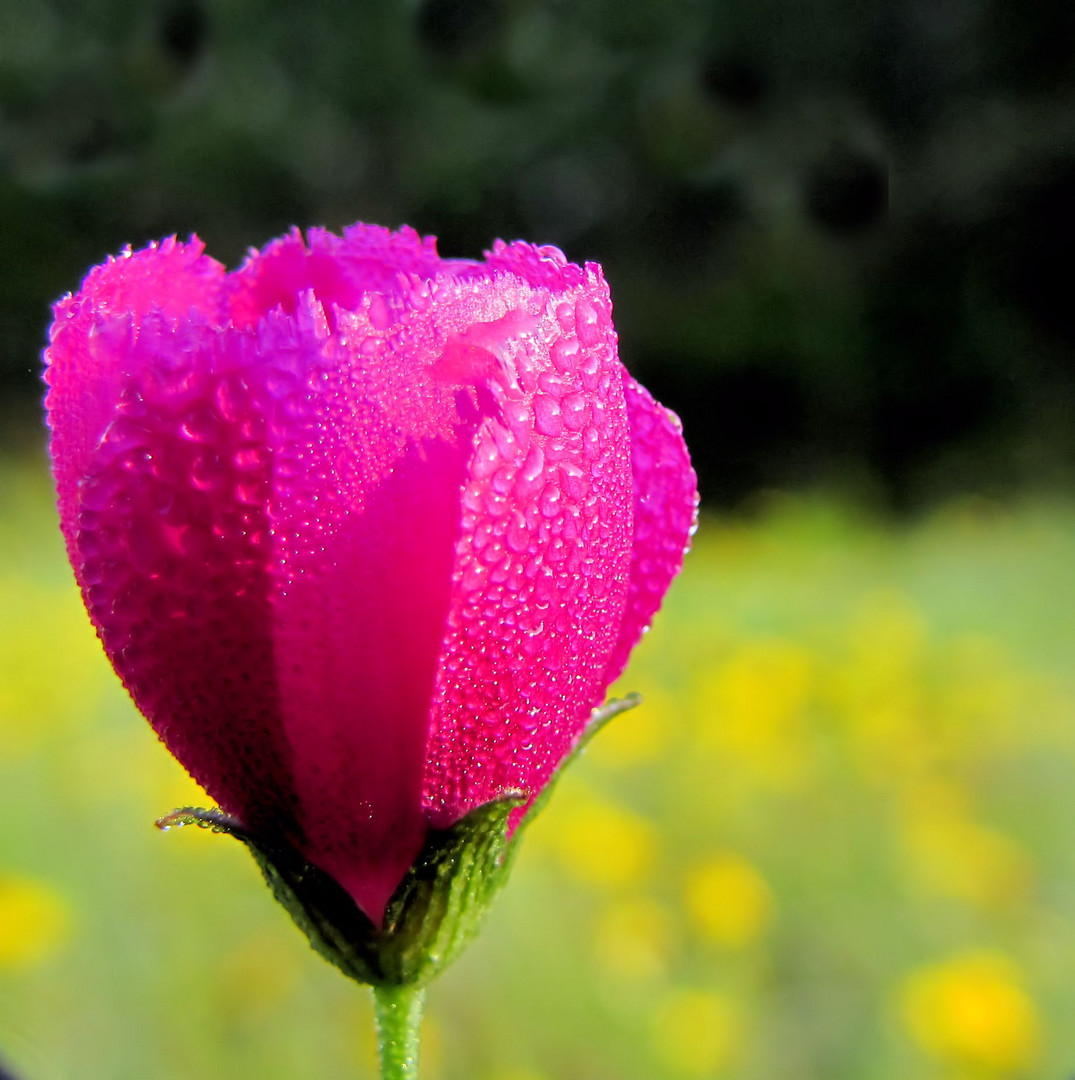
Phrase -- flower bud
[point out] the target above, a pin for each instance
(366, 533)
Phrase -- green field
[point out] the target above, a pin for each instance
(837, 842)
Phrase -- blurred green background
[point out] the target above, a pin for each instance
(837, 842)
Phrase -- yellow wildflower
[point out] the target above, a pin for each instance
(34, 922)
(697, 1033)
(605, 844)
(728, 901)
(753, 710)
(971, 1010)
(955, 856)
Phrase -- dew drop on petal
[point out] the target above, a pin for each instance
(548, 419)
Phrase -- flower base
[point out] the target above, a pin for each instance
(439, 904)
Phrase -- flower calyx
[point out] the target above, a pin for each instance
(438, 906)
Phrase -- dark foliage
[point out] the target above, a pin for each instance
(838, 234)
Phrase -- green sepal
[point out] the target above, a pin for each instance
(598, 719)
(439, 904)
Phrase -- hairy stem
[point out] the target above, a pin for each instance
(399, 1016)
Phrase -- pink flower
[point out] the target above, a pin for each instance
(367, 533)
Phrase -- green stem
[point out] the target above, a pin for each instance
(399, 1015)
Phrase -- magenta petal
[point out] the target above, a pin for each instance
(666, 509)
(169, 533)
(540, 576)
(162, 502)
(340, 271)
(367, 475)
(88, 358)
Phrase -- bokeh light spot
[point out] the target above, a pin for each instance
(35, 922)
(727, 899)
(696, 1032)
(972, 1010)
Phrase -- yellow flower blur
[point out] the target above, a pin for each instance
(632, 939)
(951, 854)
(728, 901)
(752, 711)
(604, 843)
(34, 922)
(697, 1033)
(858, 733)
(972, 1010)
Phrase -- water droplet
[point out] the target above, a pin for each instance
(530, 478)
(207, 473)
(493, 553)
(551, 501)
(518, 417)
(531, 719)
(565, 354)
(495, 503)
(231, 398)
(486, 458)
(574, 482)
(201, 425)
(547, 415)
(591, 444)
(250, 492)
(505, 439)
(518, 536)
(503, 480)
(551, 383)
(587, 323)
(575, 409)
(251, 457)
(473, 576)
